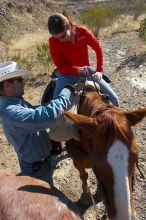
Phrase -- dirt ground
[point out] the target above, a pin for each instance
(121, 65)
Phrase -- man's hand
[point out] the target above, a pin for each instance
(78, 86)
(75, 88)
(69, 87)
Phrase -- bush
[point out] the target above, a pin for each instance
(98, 17)
(44, 56)
(142, 30)
(22, 61)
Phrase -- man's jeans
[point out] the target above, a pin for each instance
(71, 80)
(41, 170)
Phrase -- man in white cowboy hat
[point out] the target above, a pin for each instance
(24, 125)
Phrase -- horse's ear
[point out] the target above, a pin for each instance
(135, 116)
(83, 122)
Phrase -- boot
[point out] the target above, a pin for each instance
(56, 148)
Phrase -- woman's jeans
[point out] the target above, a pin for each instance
(71, 80)
(41, 170)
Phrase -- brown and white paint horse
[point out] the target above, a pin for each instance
(109, 148)
(27, 198)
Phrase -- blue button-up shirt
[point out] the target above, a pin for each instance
(24, 125)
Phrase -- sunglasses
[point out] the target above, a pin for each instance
(18, 79)
(63, 36)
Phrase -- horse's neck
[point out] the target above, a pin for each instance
(87, 105)
(91, 105)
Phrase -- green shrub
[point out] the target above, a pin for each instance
(98, 17)
(22, 61)
(43, 55)
(142, 30)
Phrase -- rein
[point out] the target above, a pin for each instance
(141, 173)
(83, 80)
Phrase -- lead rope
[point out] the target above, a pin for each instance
(83, 80)
(139, 169)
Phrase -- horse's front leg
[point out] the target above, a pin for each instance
(81, 161)
(79, 164)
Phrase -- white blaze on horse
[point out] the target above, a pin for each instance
(108, 147)
(27, 198)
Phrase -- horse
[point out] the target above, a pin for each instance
(100, 137)
(108, 146)
(24, 197)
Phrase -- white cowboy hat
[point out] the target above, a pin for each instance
(10, 70)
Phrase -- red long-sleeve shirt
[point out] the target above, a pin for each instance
(69, 56)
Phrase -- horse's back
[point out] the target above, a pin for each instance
(32, 199)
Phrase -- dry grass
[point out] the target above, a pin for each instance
(29, 41)
(122, 24)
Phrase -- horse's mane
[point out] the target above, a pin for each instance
(112, 123)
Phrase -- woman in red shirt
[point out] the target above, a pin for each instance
(69, 50)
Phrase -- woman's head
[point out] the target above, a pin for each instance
(59, 25)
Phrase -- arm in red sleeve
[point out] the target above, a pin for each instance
(95, 45)
(59, 61)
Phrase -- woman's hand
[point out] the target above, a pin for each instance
(97, 76)
(85, 70)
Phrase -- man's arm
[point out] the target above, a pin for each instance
(41, 117)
